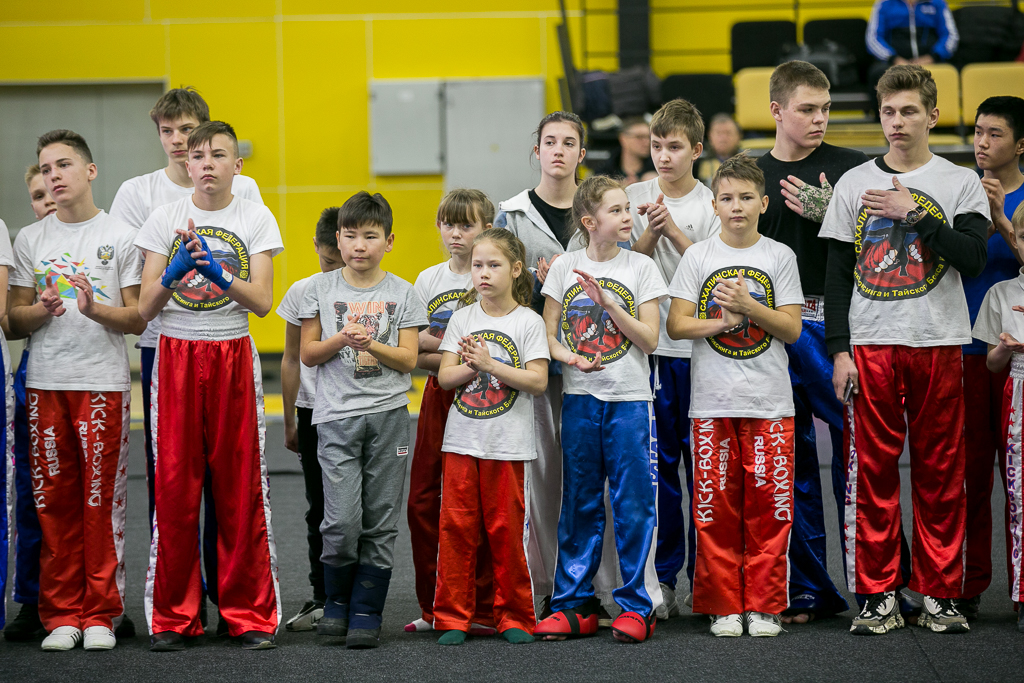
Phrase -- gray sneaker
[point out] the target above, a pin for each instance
(669, 607)
(942, 616)
(881, 614)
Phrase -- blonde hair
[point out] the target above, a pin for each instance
(1018, 217)
(587, 200)
(512, 248)
(466, 206)
(904, 77)
(31, 173)
(679, 116)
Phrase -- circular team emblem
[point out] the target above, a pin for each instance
(588, 329)
(892, 261)
(440, 309)
(487, 396)
(195, 292)
(751, 340)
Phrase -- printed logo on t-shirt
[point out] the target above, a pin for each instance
(440, 309)
(60, 270)
(487, 396)
(195, 292)
(377, 318)
(588, 329)
(750, 340)
(105, 253)
(892, 261)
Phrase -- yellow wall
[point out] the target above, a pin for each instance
(291, 76)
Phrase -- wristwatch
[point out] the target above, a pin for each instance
(913, 216)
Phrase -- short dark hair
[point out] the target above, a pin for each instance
(327, 228)
(789, 76)
(204, 133)
(178, 103)
(905, 77)
(65, 137)
(679, 116)
(1008, 107)
(739, 167)
(364, 208)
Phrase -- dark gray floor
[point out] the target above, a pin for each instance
(682, 649)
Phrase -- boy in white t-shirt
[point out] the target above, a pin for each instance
(75, 291)
(670, 213)
(175, 114)
(298, 389)
(738, 296)
(208, 264)
(1000, 324)
(903, 227)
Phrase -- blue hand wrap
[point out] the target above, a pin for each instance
(213, 272)
(178, 267)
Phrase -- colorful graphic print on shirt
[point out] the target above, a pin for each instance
(750, 340)
(378, 318)
(195, 292)
(588, 329)
(485, 396)
(440, 309)
(892, 261)
(63, 267)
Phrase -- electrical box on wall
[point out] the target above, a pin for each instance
(406, 127)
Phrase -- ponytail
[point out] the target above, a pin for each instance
(512, 248)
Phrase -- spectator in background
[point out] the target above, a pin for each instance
(633, 162)
(910, 32)
(724, 137)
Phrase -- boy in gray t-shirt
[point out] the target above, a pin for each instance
(360, 326)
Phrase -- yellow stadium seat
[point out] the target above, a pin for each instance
(981, 81)
(752, 100)
(947, 80)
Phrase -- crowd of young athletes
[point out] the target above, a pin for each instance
(659, 349)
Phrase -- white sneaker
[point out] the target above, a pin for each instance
(760, 624)
(99, 638)
(307, 618)
(62, 638)
(727, 626)
(942, 616)
(669, 607)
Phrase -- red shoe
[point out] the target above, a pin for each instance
(567, 624)
(630, 627)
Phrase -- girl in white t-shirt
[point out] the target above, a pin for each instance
(461, 216)
(495, 354)
(603, 304)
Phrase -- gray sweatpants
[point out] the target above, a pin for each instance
(364, 461)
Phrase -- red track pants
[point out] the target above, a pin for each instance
(424, 510)
(489, 495)
(208, 410)
(79, 451)
(984, 446)
(743, 507)
(925, 385)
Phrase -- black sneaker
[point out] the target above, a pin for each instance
(26, 626)
(223, 630)
(307, 618)
(942, 616)
(362, 638)
(969, 607)
(125, 627)
(881, 614)
(330, 626)
(258, 640)
(166, 641)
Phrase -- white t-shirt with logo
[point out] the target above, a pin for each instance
(997, 315)
(632, 279)
(489, 419)
(904, 293)
(695, 216)
(198, 309)
(440, 290)
(71, 352)
(138, 196)
(289, 309)
(746, 373)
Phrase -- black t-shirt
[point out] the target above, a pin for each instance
(557, 219)
(798, 233)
